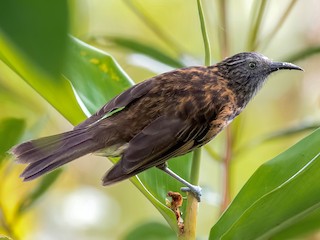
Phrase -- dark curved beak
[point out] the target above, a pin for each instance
(275, 66)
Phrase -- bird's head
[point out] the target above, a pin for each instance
(246, 72)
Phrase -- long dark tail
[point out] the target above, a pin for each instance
(46, 154)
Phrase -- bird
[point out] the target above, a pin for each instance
(155, 120)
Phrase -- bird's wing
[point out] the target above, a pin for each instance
(119, 102)
(160, 140)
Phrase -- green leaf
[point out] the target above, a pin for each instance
(280, 194)
(151, 231)
(33, 39)
(11, 130)
(146, 49)
(42, 187)
(38, 29)
(94, 74)
(305, 226)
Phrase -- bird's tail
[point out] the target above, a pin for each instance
(46, 154)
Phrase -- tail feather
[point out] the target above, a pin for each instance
(54, 161)
(46, 154)
(38, 149)
(53, 166)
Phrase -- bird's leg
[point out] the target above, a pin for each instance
(195, 190)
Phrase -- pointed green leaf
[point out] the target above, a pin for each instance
(280, 194)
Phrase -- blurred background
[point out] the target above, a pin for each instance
(287, 108)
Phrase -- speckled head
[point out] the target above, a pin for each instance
(246, 72)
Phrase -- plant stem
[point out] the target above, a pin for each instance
(190, 221)
(195, 168)
(206, 43)
(192, 203)
(223, 32)
(255, 27)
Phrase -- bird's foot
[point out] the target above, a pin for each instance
(195, 190)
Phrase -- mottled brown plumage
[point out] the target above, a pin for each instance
(163, 117)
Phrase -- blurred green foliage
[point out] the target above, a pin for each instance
(30, 199)
(30, 26)
(11, 129)
(77, 79)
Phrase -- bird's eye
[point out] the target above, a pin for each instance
(252, 65)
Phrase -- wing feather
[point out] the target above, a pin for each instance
(120, 101)
(161, 140)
